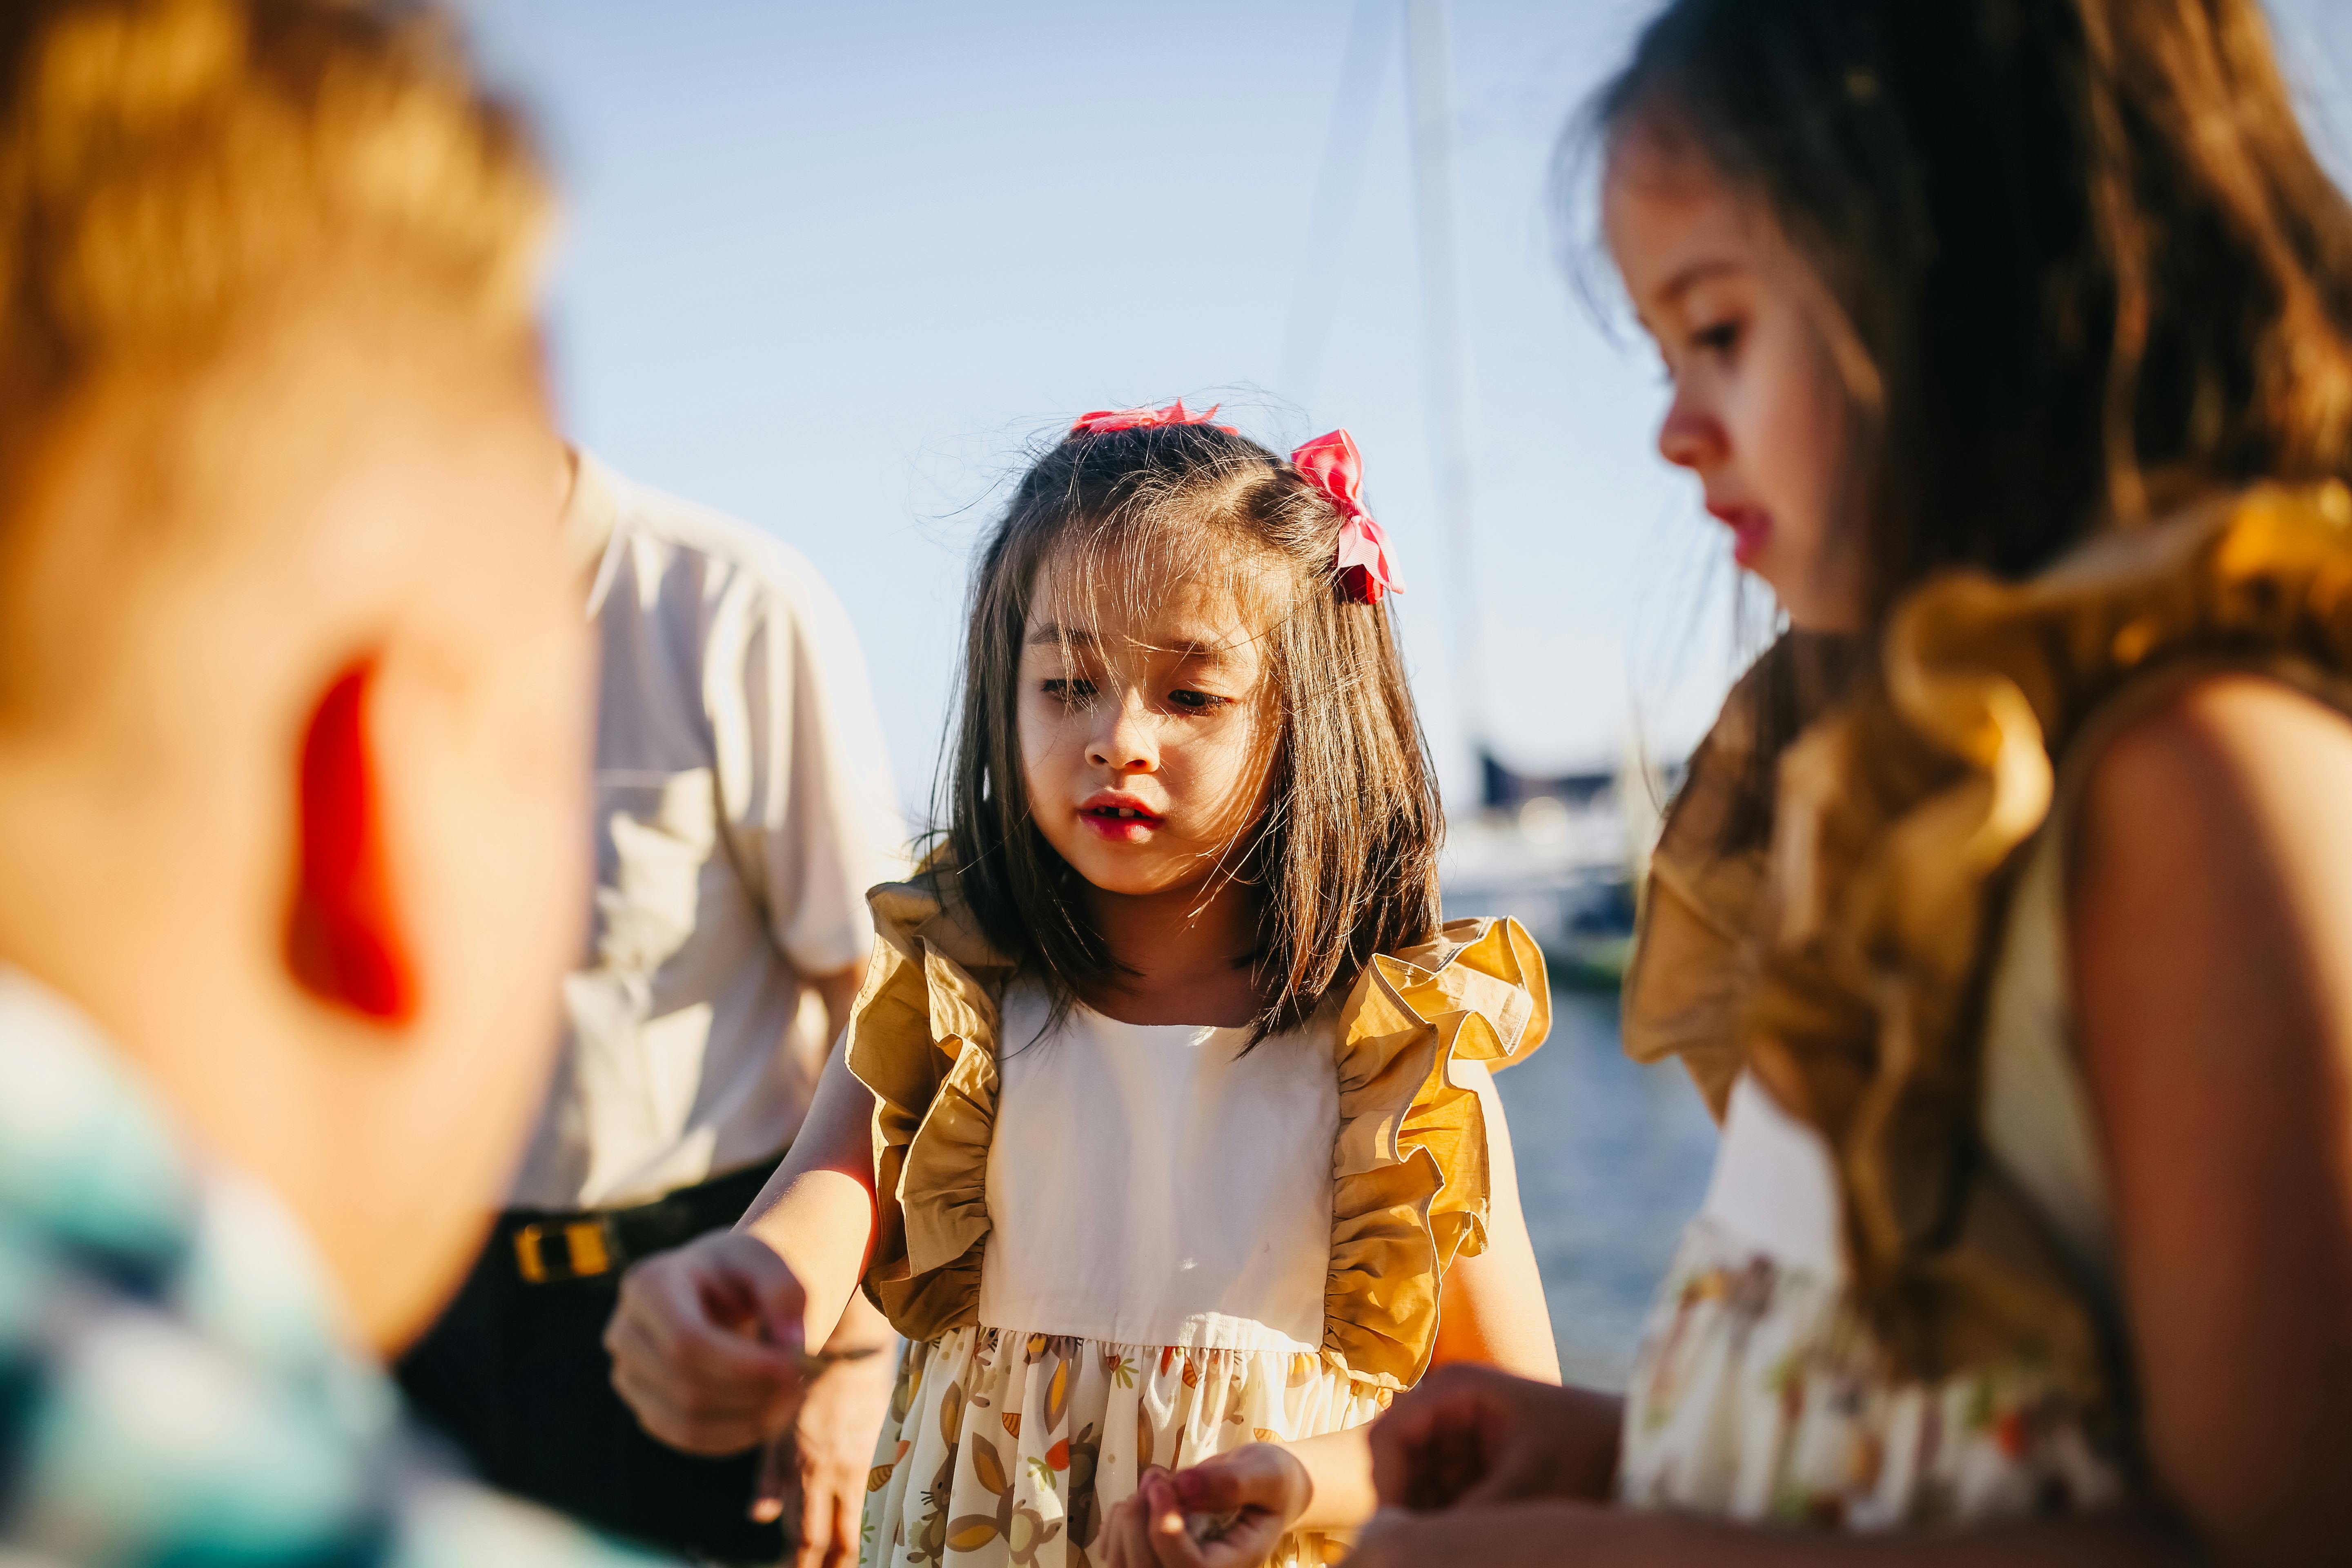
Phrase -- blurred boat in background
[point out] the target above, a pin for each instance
(1563, 854)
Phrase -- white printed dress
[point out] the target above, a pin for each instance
(1760, 1392)
(1112, 1246)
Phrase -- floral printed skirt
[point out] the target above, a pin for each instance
(1760, 1393)
(1006, 1447)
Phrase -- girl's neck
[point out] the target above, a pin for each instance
(1183, 955)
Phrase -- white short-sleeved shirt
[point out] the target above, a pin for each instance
(745, 804)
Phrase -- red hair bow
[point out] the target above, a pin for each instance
(1103, 421)
(1333, 466)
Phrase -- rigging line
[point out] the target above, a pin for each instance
(1339, 190)
(1429, 75)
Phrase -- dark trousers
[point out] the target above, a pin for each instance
(517, 1375)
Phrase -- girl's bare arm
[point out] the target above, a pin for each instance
(1493, 1307)
(707, 1340)
(2212, 965)
(817, 1212)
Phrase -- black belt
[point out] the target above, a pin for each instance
(551, 1246)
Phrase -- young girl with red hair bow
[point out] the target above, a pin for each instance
(1166, 1110)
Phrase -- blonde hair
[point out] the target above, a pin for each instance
(177, 176)
(168, 165)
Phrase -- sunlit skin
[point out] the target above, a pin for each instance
(1146, 756)
(1760, 410)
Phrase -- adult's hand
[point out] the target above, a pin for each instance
(1258, 1490)
(707, 1344)
(816, 1474)
(1470, 1435)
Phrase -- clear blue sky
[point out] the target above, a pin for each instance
(831, 267)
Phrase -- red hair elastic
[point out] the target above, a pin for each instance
(1330, 463)
(1333, 466)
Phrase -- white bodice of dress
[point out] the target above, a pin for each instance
(1151, 1292)
(1758, 1392)
(1158, 1185)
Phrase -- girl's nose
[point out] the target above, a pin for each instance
(1126, 744)
(1690, 438)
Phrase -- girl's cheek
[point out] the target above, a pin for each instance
(1036, 732)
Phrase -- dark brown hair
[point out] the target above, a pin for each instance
(2084, 245)
(1344, 860)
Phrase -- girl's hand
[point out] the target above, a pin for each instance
(1470, 1435)
(707, 1344)
(1250, 1495)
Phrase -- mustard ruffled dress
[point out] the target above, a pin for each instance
(1900, 1307)
(1112, 1246)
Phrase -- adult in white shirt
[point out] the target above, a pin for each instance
(743, 806)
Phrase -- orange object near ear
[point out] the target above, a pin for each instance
(343, 940)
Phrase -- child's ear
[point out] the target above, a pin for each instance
(344, 942)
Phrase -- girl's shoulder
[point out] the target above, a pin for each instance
(1485, 974)
(927, 913)
(922, 1039)
(933, 992)
(933, 977)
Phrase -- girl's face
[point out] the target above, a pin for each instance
(1760, 412)
(1146, 737)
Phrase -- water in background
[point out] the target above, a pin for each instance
(1613, 1157)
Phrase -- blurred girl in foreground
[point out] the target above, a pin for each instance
(2007, 916)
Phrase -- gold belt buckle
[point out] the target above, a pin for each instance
(587, 1252)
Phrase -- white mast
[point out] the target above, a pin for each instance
(1430, 72)
(1339, 185)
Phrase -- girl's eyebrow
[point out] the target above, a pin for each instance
(1206, 652)
(1052, 634)
(1690, 277)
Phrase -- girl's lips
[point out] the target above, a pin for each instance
(1751, 528)
(1120, 821)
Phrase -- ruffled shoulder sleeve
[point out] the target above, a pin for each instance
(1695, 956)
(922, 1038)
(1409, 1179)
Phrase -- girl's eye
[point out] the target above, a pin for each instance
(1070, 693)
(1198, 701)
(1720, 339)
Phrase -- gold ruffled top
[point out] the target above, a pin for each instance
(1845, 969)
(1409, 1181)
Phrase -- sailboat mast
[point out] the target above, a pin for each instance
(1429, 71)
